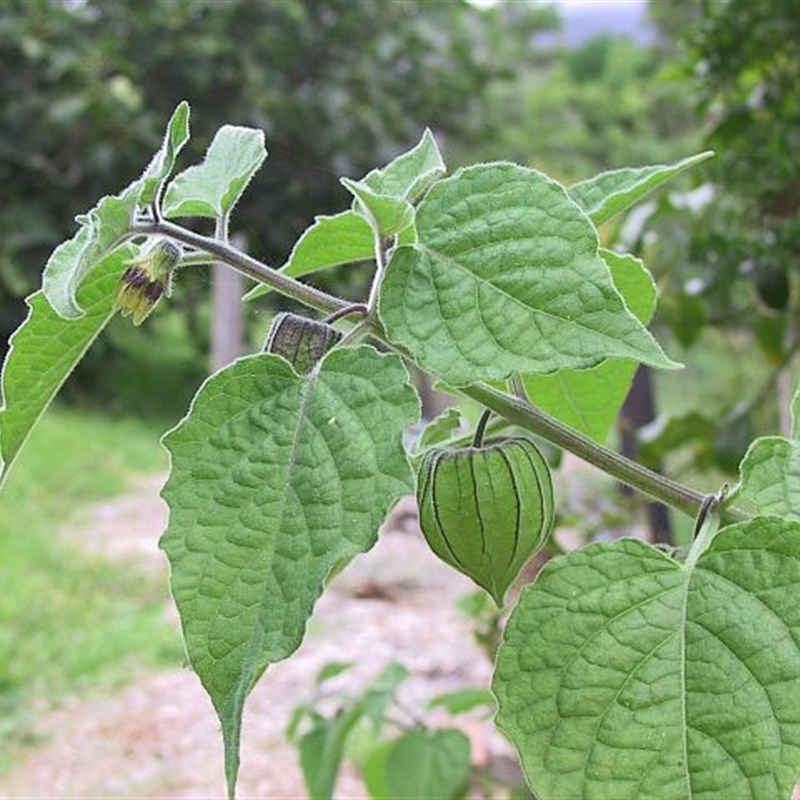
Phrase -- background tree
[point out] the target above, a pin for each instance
(337, 86)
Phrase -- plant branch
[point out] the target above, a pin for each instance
(623, 469)
(244, 263)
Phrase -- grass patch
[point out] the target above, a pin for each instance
(70, 621)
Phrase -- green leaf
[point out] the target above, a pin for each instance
(795, 409)
(770, 476)
(625, 674)
(321, 751)
(386, 215)
(341, 239)
(276, 477)
(609, 193)
(163, 162)
(212, 188)
(45, 349)
(665, 434)
(102, 230)
(589, 400)
(420, 765)
(410, 174)
(506, 278)
(331, 670)
(381, 692)
(439, 429)
(464, 700)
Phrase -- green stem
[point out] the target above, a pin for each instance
(246, 264)
(623, 469)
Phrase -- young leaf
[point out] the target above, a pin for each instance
(626, 674)
(212, 188)
(163, 162)
(430, 764)
(589, 400)
(45, 349)
(410, 174)
(770, 476)
(276, 477)
(387, 215)
(341, 239)
(102, 230)
(609, 193)
(506, 278)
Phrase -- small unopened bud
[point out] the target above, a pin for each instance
(146, 279)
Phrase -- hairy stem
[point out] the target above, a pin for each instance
(623, 469)
(246, 264)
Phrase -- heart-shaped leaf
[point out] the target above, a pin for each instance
(275, 478)
(625, 674)
(506, 277)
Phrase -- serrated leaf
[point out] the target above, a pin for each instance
(770, 476)
(420, 765)
(625, 674)
(387, 215)
(506, 278)
(410, 174)
(276, 477)
(44, 350)
(102, 230)
(609, 193)
(163, 162)
(212, 188)
(340, 239)
(589, 400)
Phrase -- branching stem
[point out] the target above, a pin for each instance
(623, 469)
(244, 263)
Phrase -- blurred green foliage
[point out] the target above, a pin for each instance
(338, 86)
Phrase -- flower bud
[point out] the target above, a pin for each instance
(146, 279)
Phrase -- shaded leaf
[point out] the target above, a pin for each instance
(589, 400)
(387, 215)
(770, 476)
(420, 765)
(341, 239)
(608, 193)
(45, 349)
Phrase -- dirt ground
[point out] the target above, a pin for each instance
(158, 737)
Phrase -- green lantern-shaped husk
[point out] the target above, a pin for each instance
(486, 510)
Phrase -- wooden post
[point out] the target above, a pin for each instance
(227, 313)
